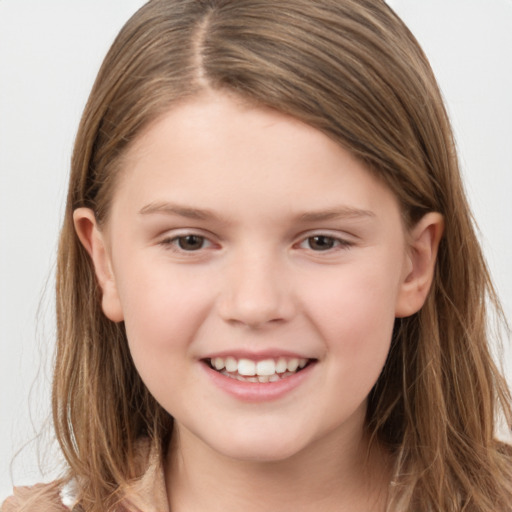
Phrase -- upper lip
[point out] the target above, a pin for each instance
(257, 355)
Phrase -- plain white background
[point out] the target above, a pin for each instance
(49, 54)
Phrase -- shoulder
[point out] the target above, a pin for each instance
(147, 492)
(37, 498)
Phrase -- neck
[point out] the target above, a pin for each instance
(327, 476)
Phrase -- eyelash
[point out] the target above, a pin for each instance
(333, 243)
(175, 242)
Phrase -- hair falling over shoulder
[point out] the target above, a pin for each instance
(351, 69)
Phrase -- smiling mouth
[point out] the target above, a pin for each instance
(264, 371)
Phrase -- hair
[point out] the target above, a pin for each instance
(353, 70)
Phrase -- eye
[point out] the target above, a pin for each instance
(322, 243)
(187, 243)
(190, 242)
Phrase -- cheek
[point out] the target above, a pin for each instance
(360, 300)
(162, 308)
(354, 313)
(163, 312)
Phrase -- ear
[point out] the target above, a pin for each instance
(94, 242)
(423, 243)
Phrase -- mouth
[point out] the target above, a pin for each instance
(262, 371)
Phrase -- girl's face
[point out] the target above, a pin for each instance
(243, 239)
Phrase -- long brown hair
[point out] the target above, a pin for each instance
(351, 69)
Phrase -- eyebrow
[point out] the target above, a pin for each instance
(179, 210)
(343, 212)
(336, 213)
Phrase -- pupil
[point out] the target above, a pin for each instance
(321, 243)
(190, 242)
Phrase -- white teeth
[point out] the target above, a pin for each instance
(218, 363)
(246, 367)
(266, 370)
(259, 378)
(292, 365)
(281, 365)
(266, 367)
(231, 364)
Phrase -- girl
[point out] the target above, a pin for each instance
(270, 294)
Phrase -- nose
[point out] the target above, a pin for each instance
(256, 292)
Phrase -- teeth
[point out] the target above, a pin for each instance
(266, 367)
(259, 378)
(293, 364)
(266, 370)
(281, 365)
(246, 367)
(231, 364)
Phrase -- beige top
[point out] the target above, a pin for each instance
(146, 494)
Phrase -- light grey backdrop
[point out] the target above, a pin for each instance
(49, 54)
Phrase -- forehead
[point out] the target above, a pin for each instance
(217, 151)
(223, 123)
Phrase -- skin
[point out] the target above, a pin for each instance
(256, 187)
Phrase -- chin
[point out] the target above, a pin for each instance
(259, 446)
(261, 454)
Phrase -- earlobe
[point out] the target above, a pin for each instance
(93, 240)
(423, 244)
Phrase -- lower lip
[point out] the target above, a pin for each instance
(258, 391)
